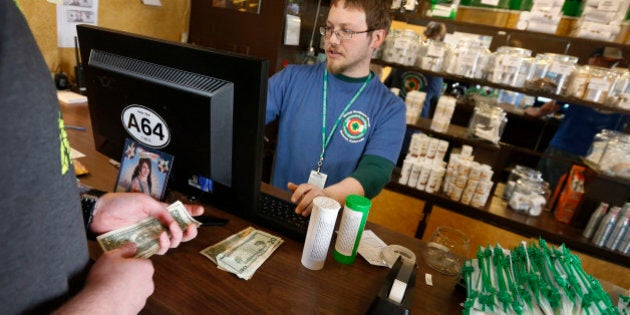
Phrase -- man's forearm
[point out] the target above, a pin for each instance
(342, 189)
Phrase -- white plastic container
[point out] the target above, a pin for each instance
(319, 234)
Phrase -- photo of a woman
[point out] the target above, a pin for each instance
(143, 170)
(141, 177)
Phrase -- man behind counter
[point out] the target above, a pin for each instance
(340, 129)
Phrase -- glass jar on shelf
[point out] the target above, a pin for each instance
(401, 47)
(600, 142)
(550, 72)
(599, 82)
(619, 95)
(529, 196)
(509, 66)
(432, 55)
(487, 122)
(614, 160)
(389, 53)
(578, 81)
(518, 172)
(467, 58)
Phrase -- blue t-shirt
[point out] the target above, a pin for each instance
(373, 125)
(408, 81)
(579, 127)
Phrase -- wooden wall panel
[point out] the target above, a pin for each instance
(169, 22)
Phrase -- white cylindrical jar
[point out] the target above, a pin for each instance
(320, 230)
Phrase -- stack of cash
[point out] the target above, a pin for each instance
(244, 252)
(146, 232)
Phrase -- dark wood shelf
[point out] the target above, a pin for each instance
(418, 19)
(559, 98)
(459, 134)
(498, 213)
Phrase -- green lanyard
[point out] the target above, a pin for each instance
(326, 141)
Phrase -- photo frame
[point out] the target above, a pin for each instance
(143, 169)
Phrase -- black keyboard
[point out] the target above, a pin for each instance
(282, 213)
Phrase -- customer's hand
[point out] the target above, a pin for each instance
(303, 196)
(116, 210)
(116, 284)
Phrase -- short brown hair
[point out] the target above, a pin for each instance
(377, 14)
(435, 30)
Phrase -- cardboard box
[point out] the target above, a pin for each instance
(571, 194)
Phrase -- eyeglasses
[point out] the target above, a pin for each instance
(341, 34)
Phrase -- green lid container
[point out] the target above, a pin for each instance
(358, 203)
(351, 228)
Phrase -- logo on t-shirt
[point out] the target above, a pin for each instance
(66, 160)
(412, 81)
(355, 126)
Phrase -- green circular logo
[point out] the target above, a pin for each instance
(355, 126)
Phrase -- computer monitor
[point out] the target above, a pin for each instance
(205, 107)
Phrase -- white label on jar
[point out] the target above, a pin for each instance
(545, 3)
(561, 68)
(599, 84)
(322, 231)
(579, 84)
(348, 231)
(435, 51)
(467, 59)
(510, 61)
(493, 3)
(428, 63)
(402, 43)
(608, 5)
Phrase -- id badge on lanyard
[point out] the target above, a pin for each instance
(317, 178)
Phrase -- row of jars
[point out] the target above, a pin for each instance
(610, 153)
(526, 191)
(511, 66)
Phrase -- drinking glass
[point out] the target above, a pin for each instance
(447, 250)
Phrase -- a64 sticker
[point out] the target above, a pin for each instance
(145, 126)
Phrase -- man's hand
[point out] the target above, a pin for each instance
(116, 210)
(303, 196)
(116, 284)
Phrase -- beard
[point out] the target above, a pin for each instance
(336, 67)
(347, 63)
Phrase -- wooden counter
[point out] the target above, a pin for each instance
(188, 283)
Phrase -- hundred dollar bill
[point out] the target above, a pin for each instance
(249, 254)
(213, 251)
(146, 232)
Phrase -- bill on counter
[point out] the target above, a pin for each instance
(146, 232)
(213, 251)
(244, 252)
